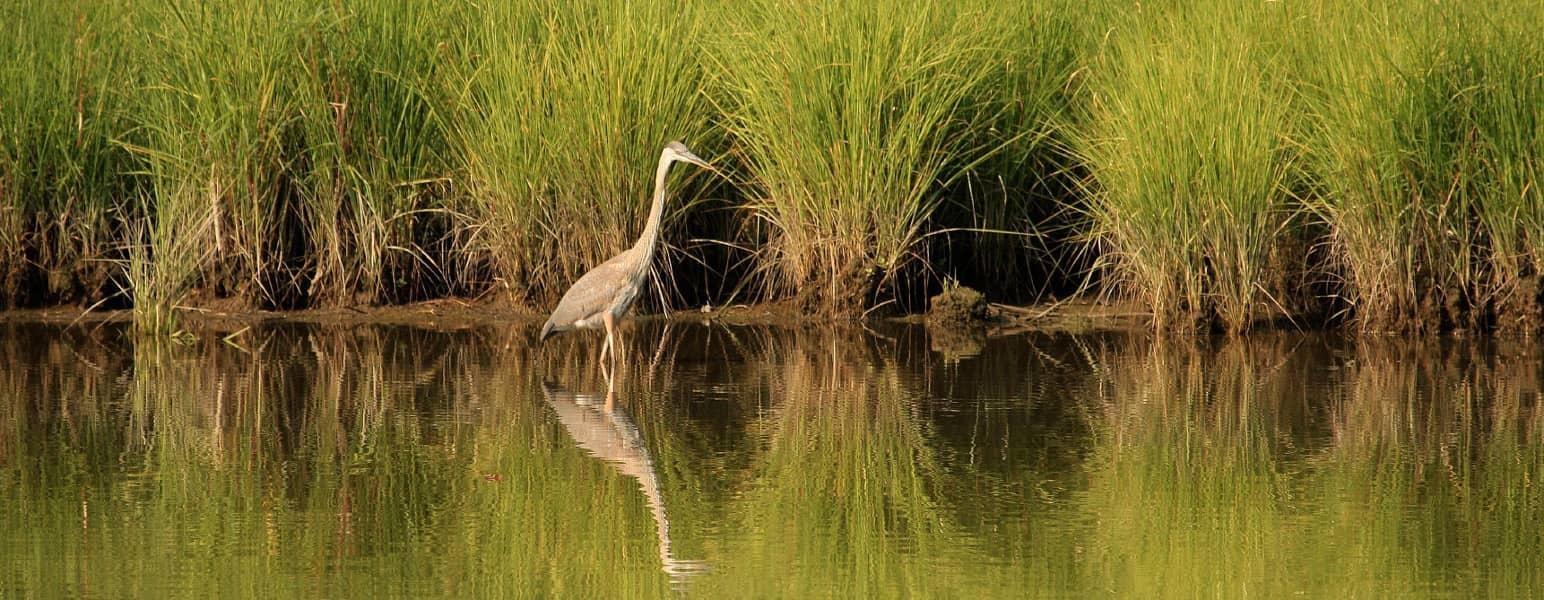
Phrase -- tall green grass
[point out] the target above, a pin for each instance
(383, 208)
(62, 109)
(219, 118)
(1190, 154)
(852, 118)
(1426, 150)
(297, 154)
(570, 106)
(1222, 139)
(1225, 163)
(1506, 91)
(1501, 81)
(1005, 224)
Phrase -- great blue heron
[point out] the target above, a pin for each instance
(604, 294)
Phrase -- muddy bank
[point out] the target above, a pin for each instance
(999, 319)
(435, 314)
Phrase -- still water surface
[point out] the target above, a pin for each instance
(755, 462)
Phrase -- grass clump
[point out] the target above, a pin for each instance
(571, 105)
(851, 119)
(382, 212)
(1188, 146)
(1505, 90)
(60, 186)
(296, 155)
(1379, 151)
(1005, 226)
(957, 305)
(1010, 224)
(219, 118)
(1427, 148)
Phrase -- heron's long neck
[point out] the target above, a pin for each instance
(650, 237)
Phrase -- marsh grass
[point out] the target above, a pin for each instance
(1006, 225)
(294, 155)
(1223, 164)
(219, 122)
(1505, 88)
(1427, 157)
(569, 109)
(61, 110)
(1190, 155)
(382, 211)
(1379, 131)
(851, 119)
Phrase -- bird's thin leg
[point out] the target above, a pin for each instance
(611, 327)
(605, 349)
(621, 343)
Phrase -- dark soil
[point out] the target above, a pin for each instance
(957, 305)
(445, 314)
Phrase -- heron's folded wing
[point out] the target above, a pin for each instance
(592, 293)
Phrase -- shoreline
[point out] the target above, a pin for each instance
(1072, 316)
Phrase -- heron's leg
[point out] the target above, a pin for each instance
(611, 327)
(621, 343)
(605, 348)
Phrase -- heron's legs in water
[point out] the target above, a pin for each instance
(611, 336)
(608, 350)
(605, 365)
(619, 344)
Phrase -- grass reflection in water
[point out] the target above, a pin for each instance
(754, 461)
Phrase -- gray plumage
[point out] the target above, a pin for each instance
(604, 293)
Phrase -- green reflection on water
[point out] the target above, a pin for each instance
(766, 462)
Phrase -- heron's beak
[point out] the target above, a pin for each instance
(696, 160)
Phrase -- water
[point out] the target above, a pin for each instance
(754, 462)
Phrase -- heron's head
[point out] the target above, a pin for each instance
(678, 151)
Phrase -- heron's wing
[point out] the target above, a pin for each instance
(592, 293)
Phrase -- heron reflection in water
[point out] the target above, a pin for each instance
(607, 432)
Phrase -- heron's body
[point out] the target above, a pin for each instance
(607, 289)
(603, 294)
